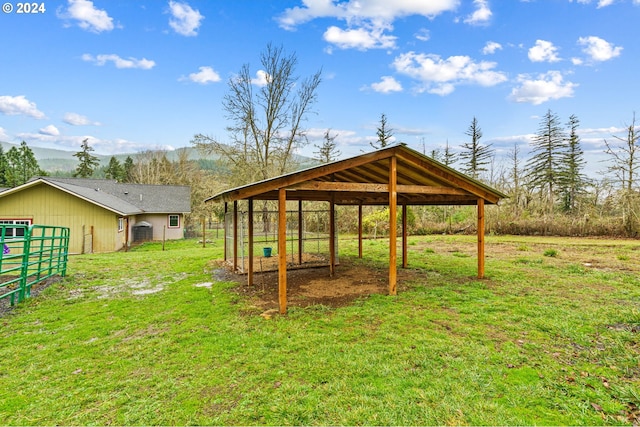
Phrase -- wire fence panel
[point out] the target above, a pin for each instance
(30, 255)
(307, 242)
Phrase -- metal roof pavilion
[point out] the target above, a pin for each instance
(391, 176)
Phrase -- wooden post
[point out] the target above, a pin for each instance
(393, 206)
(480, 238)
(250, 222)
(126, 234)
(360, 230)
(204, 232)
(300, 233)
(332, 238)
(235, 236)
(282, 250)
(224, 237)
(404, 236)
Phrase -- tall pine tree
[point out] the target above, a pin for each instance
(573, 181)
(87, 162)
(3, 168)
(128, 167)
(545, 167)
(21, 165)
(475, 156)
(384, 134)
(328, 150)
(115, 170)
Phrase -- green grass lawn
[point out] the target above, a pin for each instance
(150, 337)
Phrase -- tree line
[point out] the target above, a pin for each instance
(549, 192)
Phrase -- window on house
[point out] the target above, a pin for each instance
(120, 224)
(14, 232)
(174, 221)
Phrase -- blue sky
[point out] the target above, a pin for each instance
(149, 74)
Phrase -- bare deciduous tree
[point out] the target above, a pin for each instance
(266, 118)
(625, 164)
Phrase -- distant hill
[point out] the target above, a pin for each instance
(60, 161)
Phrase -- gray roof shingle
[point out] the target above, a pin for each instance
(127, 198)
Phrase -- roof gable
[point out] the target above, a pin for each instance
(364, 179)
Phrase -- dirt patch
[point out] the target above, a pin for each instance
(314, 286)
(5, 303)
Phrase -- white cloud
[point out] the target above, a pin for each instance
(205, 76)
(387, 85)
(261, 79)
(599, 49)
(19, 105)
(101, 146)
(491, 47)
(101, 60)
(424, 35)
(543, 88)
(543, 51)
(441, 76)
(75, 119)
(481, 15)
(184, 19)
(88, 16)
(50, 130)
(602, 3)
(367, 20)
(3, 135)
(360, 38)
(354, 11)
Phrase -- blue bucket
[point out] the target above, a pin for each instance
(266, 252)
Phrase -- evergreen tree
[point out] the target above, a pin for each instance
(545, 167)
(328, 150)
(475, 156)
(128, 169)
(3, 168)
(115, 170)
(384, 134)
(573, 179)
(448, 157)
(87, 162)
(21, 165)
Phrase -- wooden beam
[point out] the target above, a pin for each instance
(225, 231)
(332, 237)
(447, 174)
(480, 238)
(235, 236)
(300, 233)
(360, 230)
(250, 224)
(393, 200)
(282, 250)
(375, 188)
(261, 187)
(404, 236)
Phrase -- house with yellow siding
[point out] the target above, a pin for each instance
(102, 215)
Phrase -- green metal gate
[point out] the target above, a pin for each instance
(30, 254)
